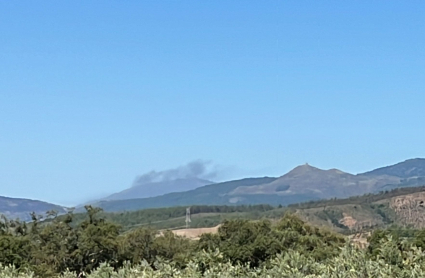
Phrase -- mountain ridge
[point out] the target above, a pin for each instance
(21, 208)
(408, 168)
(324, 183)
(303, 183)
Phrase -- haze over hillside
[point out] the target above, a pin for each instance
(155, 183)
(152, 189)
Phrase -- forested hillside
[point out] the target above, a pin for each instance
(348, 216)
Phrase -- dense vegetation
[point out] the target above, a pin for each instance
(51, 248)
(391, 261)
(241, 248)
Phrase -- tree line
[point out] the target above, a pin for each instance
(59, 245)
(240, 248)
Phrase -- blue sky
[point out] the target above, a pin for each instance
(93, 94)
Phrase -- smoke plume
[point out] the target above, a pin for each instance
(196, 169)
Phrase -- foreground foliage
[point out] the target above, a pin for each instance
(288, 248)
(61, 245)
(390, 261)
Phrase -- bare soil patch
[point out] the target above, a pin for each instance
(195, 233)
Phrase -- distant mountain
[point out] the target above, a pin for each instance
(152, 189)
(14, 208)
(407, 169)
(303, 183)
(213, 194)
(322, 184)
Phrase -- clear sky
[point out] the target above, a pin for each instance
(94, 93)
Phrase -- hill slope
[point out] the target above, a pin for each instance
(406, 169)
(401, 207)
(21, 208)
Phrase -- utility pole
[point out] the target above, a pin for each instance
(188, 217)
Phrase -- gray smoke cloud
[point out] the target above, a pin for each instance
(195, 169)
